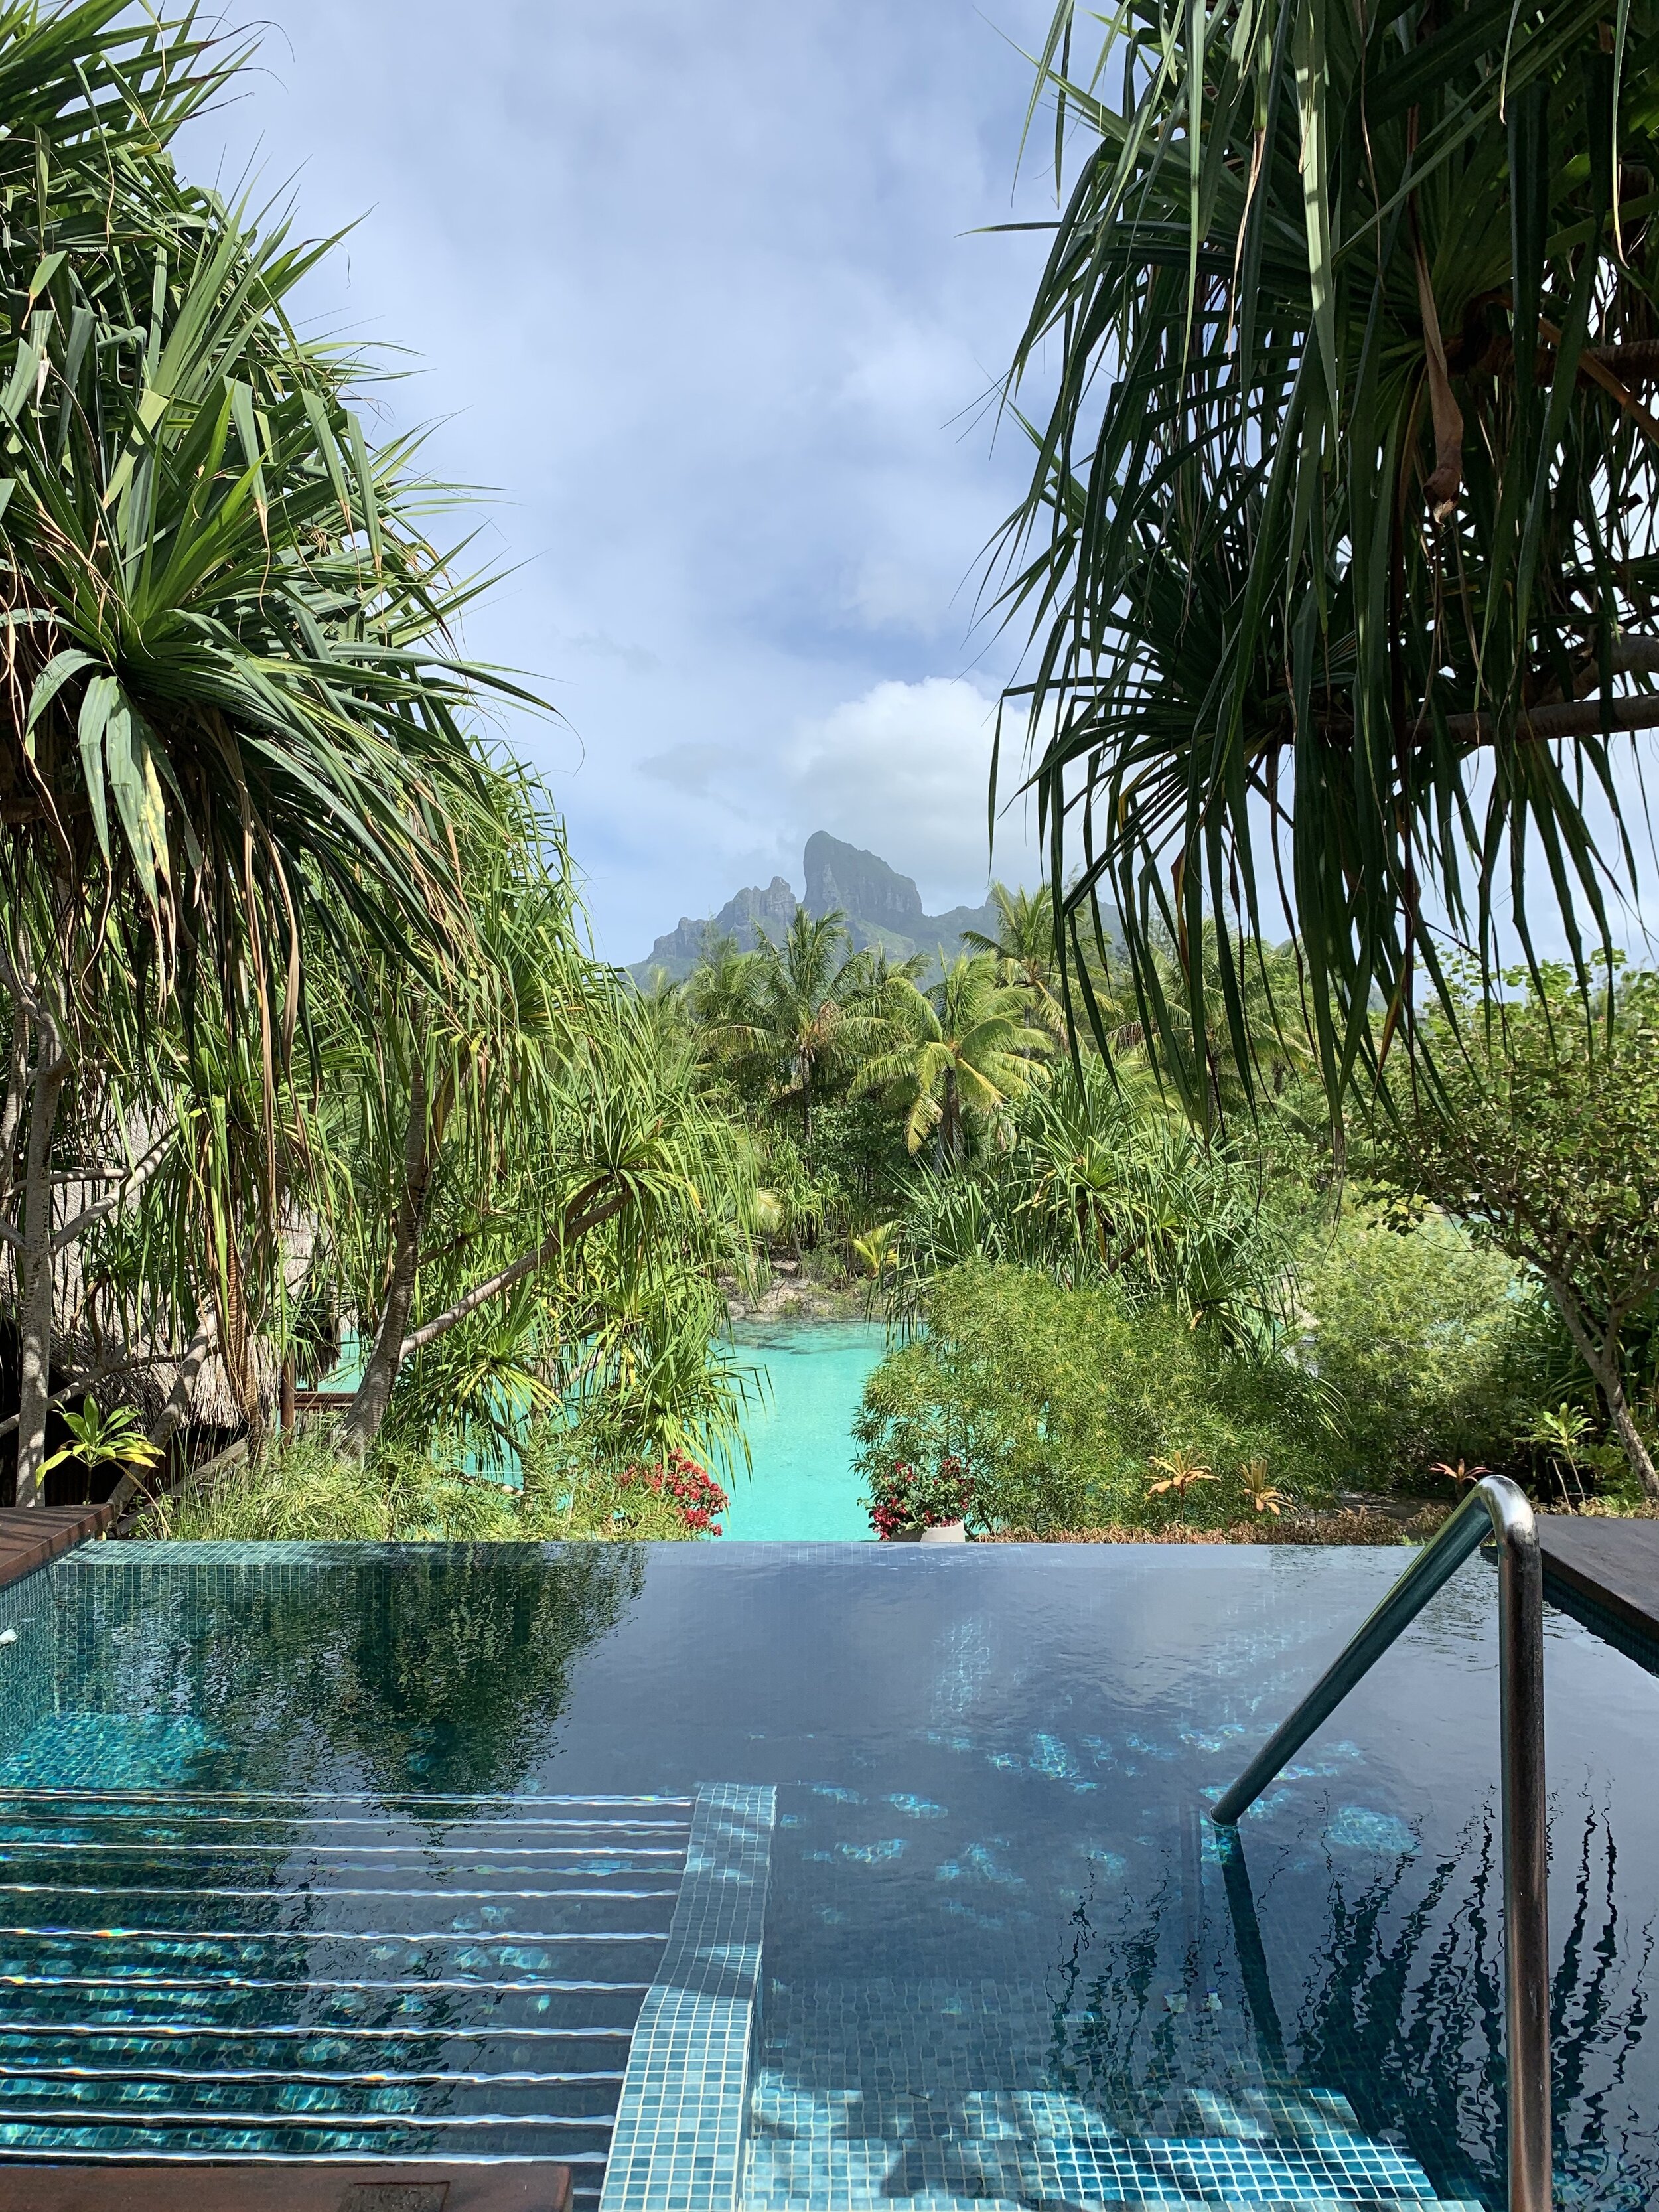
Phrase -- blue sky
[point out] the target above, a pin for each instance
(695, 290)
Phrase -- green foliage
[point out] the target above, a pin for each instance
(100, 1439)
(1095, 1187)
(235, 698)
(304, 1489)
(958, 1053)
(1058, 1401)
(574, 1489)
(1341, 513)
(1538, 1124)
(804, 1011)
(1426, 1342)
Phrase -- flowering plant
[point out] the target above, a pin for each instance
(691, 1489)
(920, 1497)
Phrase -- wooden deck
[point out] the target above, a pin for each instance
(30, 1536)
(1613, 1565)
(413, 2188)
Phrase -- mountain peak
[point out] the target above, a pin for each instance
(859, 884)
(881, 906)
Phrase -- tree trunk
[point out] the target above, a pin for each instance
(34, 1271)
(590, 1209)
(17, 1090)
(368, 1408)
(1603, 1361)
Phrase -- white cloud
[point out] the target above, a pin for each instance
(904, 771)
(702, 293)
(690, 769)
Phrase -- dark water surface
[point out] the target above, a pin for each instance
(993, 1766)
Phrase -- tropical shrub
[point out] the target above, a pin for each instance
(690, 1490)
(1057, 1401)
(1096, 1188)
(573, 1490)
(1535, 1125)
(303, 1490)
(1426, 1342)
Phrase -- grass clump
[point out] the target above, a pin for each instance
(304, 1489)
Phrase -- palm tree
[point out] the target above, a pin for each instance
(1340, 533)
(1023, 949)
(810, 1007)
(969, 1050)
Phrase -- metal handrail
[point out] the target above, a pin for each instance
(1498, 1502)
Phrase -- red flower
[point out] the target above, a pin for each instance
(916, 1498)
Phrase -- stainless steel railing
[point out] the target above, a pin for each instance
(1497, 1507)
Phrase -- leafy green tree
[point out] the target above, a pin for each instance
(233, 721)
(1059, 1402)
(1426, 1339)
(807, 1009)
(1340, 533)
(1024, 951)
(1539, 1130)
(966, 1049)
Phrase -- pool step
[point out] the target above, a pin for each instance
(1087, 2167)
(934, 2095)
(226, 1975)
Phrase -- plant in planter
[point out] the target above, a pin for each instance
(908, 1499)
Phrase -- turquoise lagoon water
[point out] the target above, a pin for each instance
(802, 1486)
(798, 1423)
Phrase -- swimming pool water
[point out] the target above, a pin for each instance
(994, 1895)
(800, 1485)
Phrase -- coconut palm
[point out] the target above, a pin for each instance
(1024, 951)
(809, 1008)
(967, 1051)
(1339, 535)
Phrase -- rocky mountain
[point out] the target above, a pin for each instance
(748, 915)
(881, 906)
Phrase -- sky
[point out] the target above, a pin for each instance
(696, 293)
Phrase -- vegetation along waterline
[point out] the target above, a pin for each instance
(1175, 1222)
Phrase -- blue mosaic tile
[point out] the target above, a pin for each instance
(677, 2143)
(938, 2093)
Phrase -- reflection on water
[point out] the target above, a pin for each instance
(441, 1668)
(996, 1899)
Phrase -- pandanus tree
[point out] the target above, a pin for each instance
(525, 1172)
(233, 725)
(1337, 558)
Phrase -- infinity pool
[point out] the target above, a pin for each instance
(404, 1825)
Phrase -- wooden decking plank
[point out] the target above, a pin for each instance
(1614, 1564)
(32, 1535)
